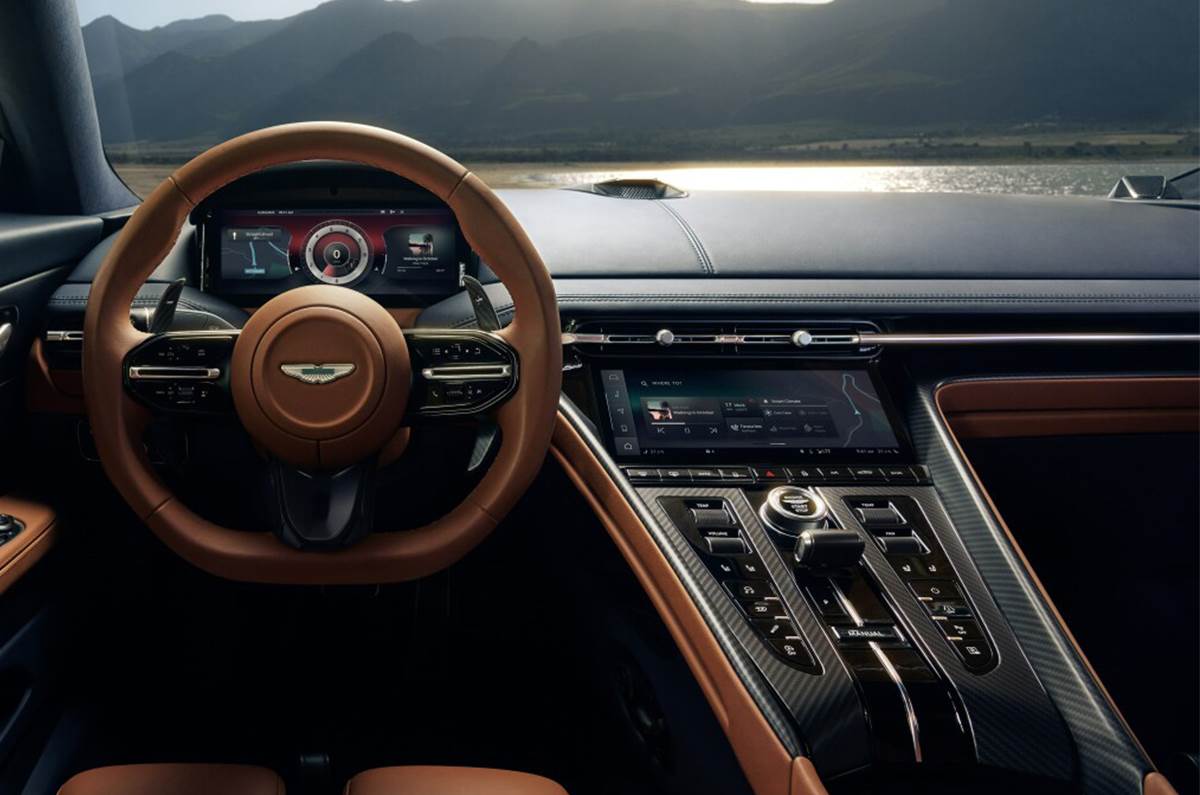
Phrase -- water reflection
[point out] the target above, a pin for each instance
(1092, 179)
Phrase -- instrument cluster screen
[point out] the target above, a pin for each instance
(747, 415)
(381, 250)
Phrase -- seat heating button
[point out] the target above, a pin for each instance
(751, 568)
(726, 569)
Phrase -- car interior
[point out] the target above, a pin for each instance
(329, 469)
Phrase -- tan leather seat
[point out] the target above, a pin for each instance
(175, 780)
(419, 780)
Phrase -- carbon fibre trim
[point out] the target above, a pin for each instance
(1014, 723)
(667, 539)
(825, 707)
(1109, 760)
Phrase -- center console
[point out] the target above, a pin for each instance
(788, 489)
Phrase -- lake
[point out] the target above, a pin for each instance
(1086, 179)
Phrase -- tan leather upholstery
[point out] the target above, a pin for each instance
(175, 780)
(421, 780)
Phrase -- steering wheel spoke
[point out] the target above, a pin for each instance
(182, 372)
(459, 372)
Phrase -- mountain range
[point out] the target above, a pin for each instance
(497, 71)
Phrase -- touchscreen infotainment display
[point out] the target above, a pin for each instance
(747, 415)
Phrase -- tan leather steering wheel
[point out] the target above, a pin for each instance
(329, 425)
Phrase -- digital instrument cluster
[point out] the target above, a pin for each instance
(381, 251)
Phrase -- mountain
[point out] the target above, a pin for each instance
(496, 71)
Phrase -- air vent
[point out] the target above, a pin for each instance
(817, 338)
(636, 189)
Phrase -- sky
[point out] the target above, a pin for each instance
(152, 13)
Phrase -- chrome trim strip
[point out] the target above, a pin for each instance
(77, 336)
(6, 332)
(865, 339)
(914, 728)
(798, 339)
(1034, 338)
(173, 373)
(64, 336)
(468, 372)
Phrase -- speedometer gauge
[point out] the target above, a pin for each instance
(337, 253)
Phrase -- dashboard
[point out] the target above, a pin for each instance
(742, 369)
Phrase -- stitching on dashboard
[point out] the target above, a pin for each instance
(702, 256)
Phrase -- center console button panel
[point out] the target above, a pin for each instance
(915, 554)
(712, 527)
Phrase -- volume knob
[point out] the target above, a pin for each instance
(792, 510)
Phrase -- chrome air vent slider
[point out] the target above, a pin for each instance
(701, 337)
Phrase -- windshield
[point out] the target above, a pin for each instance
(1021, 96)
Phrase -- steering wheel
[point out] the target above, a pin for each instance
(323, 379)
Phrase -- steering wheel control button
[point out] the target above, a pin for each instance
(461, 372)
(181, 372)
(791, 510)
